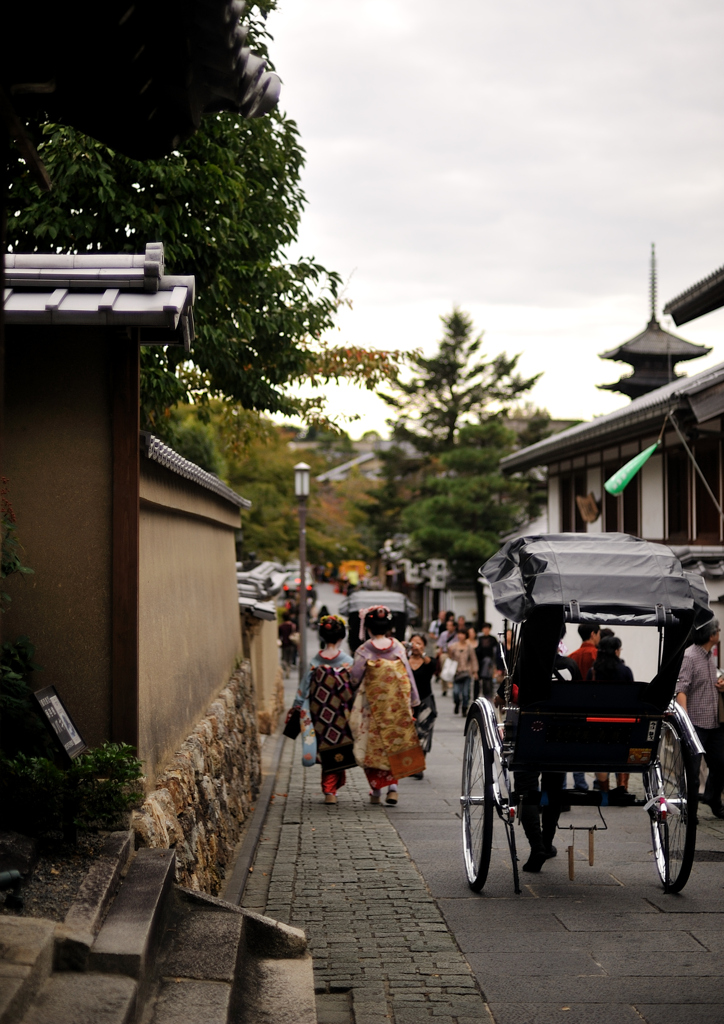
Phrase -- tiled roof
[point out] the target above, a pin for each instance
(655, 341)
(138, 76)
(101, 290)
(700, 298)
(648, 409)
(159, 452)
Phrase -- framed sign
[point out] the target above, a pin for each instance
(56, 717)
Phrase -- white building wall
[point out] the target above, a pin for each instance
(554, 504)
(652, 499)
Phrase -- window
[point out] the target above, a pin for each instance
(630, 499)
(677, 495)
(571, 486)
(706, 454)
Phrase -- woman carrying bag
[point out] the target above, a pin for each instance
(324, 704)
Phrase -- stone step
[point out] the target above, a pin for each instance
(26, 960)
(80, 998)
(184, 1001)
(75, 936)
(275, 992)
(128, 941)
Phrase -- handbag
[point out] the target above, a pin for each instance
(334, 759)
(292, 725)
(449, 670)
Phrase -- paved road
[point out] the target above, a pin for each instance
(609, 947)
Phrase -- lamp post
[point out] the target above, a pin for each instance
(301, 491)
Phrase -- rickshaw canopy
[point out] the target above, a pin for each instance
(391, 599)
(607, 577)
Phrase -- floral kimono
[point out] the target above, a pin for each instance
(385, 739)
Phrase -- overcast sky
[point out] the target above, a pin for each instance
(514, 157)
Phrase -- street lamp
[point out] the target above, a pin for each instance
(301, 492)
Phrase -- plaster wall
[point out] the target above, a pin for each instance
(260, 641)
(189, 629)
(652, 499)
(57, 456)
(554, 504)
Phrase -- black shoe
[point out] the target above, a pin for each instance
(551, 852)
(465, 709)
(418, 776)
(535, 862)
(457, 708)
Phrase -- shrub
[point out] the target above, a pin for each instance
(94, 792)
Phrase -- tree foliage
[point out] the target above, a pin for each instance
(226, 206)
(442, 483)
(254, 456)
(456, 385)
(465, 503)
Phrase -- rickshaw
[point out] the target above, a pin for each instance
(401, 607)
(538, 584)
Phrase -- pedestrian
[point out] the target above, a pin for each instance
(698, 691)
(437, 625)
(289, 648)
(461, 623)
(463, 652)
(540, 833)
(446, 635)
(382, 723)
(609, 667)
(487, 653)
(325, 699)
(585, 655)
(426, 711)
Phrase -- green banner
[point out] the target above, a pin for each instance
(622, 477)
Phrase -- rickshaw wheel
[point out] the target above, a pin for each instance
(477, 801)
(673, 825)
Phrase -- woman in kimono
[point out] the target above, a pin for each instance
(325, 702)
(385, 739)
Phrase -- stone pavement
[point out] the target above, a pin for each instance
(395, 930)
(382, 951)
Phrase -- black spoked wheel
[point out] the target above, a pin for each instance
(672, 788)
(477, 801)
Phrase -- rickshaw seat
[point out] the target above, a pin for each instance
(588, 726)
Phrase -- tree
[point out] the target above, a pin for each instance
(442, 483)
(466, 504)
(225, 206)
(455, 386)
(257, 461)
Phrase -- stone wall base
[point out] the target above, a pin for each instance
(204, 795)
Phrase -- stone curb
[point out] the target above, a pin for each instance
(264, 936)
(234, 889)
(75, 936)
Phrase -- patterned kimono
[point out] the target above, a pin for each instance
(325, 702)
(385, 739)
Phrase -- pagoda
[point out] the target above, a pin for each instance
(653, 354)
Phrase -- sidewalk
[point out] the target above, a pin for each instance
(382, 950)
